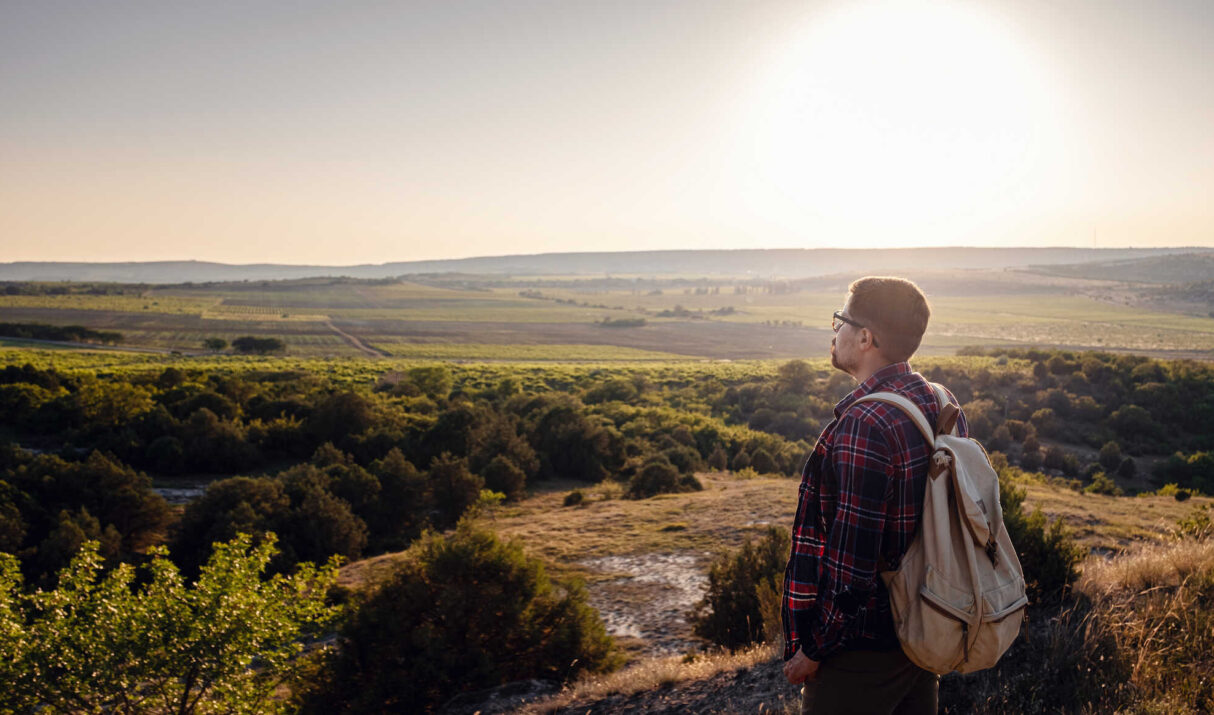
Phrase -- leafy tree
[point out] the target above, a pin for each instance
(1110, 456)
(258, 346)
(166, 455)
(572, 445)
(501, 475)
(102, 643)
(454, 487)
(659, 476)
(1134, 424)
(228, 507)
(340, 416)
(1128, 469)
(404, 502)
(795, 376)
(215, 344)
(62, 504)
(434, 381)
(1031, 459)
(463, 612)
(762, 462)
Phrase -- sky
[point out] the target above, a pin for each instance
(351, 132)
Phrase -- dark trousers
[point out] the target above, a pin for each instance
(870, 682)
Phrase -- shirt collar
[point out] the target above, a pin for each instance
(878, 378)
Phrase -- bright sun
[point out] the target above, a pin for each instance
(899, 117)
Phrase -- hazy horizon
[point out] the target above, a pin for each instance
(309, 134)
(1201, 249)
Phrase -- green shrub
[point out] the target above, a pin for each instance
(1048, 554)
(501, 475)
(464, 611)
(113, 643)
(762, 462)
(1110, 456)
(731, 613)
(659, 476)
(1196, 524)
(1103, 484)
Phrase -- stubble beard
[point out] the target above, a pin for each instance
(836, 363)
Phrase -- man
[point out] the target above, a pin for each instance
(859, 505)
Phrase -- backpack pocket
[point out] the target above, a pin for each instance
(934, 634)
(1002, 613)
(999, 603)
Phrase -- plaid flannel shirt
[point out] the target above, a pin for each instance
(859, 505)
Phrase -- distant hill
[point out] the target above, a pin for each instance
(773, 263)
(1175, 268)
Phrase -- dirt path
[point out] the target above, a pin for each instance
(354, 342)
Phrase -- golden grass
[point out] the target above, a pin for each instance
(720, 517)
(1154, 605)
(1152, 566)
(1108, 523)
(651, 674)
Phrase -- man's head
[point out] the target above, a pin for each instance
(882, 322)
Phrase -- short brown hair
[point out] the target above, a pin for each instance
(894, 309)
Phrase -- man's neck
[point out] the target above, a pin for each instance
(868, 369)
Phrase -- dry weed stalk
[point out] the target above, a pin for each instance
(1155, 606)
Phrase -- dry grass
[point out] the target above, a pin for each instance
(1107, 523)
(1138, 638)
(1156, 605)
(720, 517)
(1152, 566)
(650, 675)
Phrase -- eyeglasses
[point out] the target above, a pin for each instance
(839, 319)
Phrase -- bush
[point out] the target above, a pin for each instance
(1103, 484)
(224, 643)
(762, 462)
(1047, 552)
(1110, 456)
(574, 498)
(501, 475)
(659, 476)
(463, 612)
(731, 612)
(1196, 524)
(1031, 459)
(259, 346)
(454, 488)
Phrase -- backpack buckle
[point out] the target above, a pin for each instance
(941, 461)
(992, 550)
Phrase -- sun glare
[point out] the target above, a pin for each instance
(906, 116)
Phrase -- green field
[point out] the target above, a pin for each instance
(559, 317)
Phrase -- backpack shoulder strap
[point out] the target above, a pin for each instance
(911, 409)
(947, 424)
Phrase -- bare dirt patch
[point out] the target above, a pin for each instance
(667, 584)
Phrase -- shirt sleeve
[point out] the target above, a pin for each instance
(847, 575)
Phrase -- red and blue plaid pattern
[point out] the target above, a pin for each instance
(859, 504)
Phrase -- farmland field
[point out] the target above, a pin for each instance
(618, 317)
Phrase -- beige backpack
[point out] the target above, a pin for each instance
(958, 595)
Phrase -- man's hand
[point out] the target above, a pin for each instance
(800, 668)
